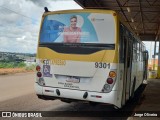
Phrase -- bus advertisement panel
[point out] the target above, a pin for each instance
(78, 28)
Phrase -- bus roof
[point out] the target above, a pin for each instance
(80, 11)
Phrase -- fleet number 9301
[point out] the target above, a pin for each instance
(102, 65)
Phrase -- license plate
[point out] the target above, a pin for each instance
(73, 79)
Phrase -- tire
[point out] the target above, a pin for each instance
(133, 88)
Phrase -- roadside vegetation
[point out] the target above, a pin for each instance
(17, 65)
(12, 65)
(30, 67)
(16, 62)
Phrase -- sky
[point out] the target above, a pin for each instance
(20, 22)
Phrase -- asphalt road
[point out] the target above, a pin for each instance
(17, 94)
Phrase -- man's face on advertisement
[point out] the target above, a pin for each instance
(73, 22)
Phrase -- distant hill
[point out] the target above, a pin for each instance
(16, 57)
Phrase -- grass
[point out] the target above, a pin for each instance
(17, 65)
(12, 65)
(30, 67)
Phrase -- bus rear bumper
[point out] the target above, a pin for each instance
(51, 93)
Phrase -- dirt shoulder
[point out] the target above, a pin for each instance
(5, 71)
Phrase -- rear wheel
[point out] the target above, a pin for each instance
(133, 88)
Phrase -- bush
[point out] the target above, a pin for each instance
(12, 65)
(21, 64)
(30, 67)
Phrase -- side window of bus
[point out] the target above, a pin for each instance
(121, 55)
(129, 52)
(141, 52)
(138, 53)
(134, 50)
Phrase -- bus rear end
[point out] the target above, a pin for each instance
(77, 57)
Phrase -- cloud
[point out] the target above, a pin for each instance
(20, 23)
(21, 38)
(39, 2)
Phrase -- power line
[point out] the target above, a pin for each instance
(18, 13)
(42, 2)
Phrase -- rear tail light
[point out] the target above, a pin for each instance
(41, 81)
(106, 87)
(38, 68)
(39, 74)
(109, 80)
(112, 74)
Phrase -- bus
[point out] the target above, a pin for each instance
(88, 55)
